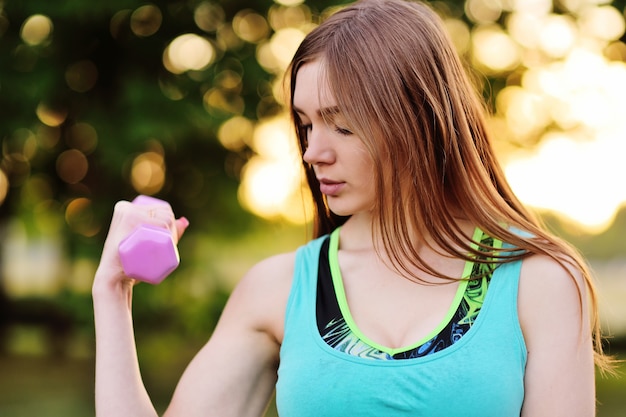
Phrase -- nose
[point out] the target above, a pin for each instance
(319, 147)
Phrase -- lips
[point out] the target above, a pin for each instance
(330, 187)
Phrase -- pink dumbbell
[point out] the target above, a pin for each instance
(149, 254)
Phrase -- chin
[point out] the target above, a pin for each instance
(342, 206)
(344, 210)
(340, 210)
(342, 213)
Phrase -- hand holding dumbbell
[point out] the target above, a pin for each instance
(149, 253)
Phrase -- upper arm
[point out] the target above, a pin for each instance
(235, 372)
(559, 378)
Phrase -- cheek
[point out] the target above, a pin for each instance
(361, 156)
(367, 173)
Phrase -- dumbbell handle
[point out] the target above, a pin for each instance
(149, 253)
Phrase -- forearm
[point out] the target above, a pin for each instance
(119, 388)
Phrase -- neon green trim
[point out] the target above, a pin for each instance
(467, 271)
(335, 272)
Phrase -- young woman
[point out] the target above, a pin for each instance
(429, 290)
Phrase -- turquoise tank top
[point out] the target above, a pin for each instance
(481, 375)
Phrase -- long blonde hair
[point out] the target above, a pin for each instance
(402, 88)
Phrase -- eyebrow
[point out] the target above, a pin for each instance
(323, 112)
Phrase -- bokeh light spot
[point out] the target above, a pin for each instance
(118, 23)
(235, 133)
(146, 20)
(605, 23)
(188, 52)
(209, 16)
(273, 140)
(616, 51)
(274, 56)
(250, 26)
(148, 173)
(284, 44)
(218, 101)
(483, 11)
(22, 142)
(80, 217)
(49, 116)
(524, 28)
(36, 29)
(228, 80)
(47, 137)
(494, 49)
(81, 76)
(266, 186)
(526, 113)
(72, 166)
(4, 186)
(295, 16)
(557, 35)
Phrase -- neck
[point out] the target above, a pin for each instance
(359, 233)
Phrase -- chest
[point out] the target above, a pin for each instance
(390, 309)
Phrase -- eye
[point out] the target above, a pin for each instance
(304, 135)
(343, 131)
(306, 131)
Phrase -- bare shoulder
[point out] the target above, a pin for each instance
(553, 313)
(278, 267)
(262, 293)
(543, 275)
(550, 293)
(270, 276)
(548, 271)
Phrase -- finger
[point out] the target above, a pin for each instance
(181, 225)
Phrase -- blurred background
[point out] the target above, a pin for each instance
(183, 100)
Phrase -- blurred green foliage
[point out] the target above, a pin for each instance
(126, 107)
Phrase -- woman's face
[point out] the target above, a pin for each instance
(342, 164)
